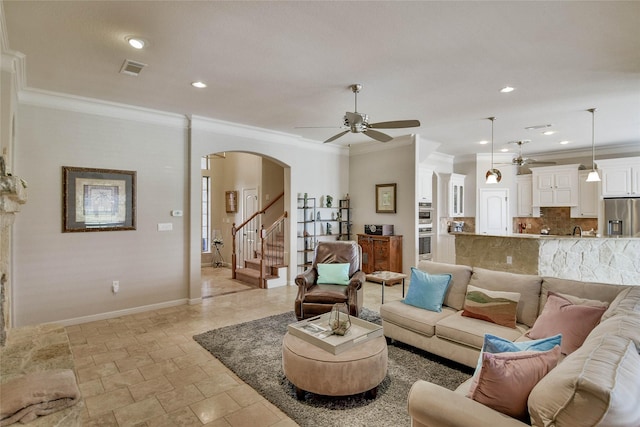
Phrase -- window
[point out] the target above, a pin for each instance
(206, 205)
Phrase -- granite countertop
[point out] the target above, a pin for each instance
(540, 236)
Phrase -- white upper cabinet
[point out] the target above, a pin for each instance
(555, 186)
(589, 195)
(620, 177)
(524, 185)
(425, 184)
(456, 195)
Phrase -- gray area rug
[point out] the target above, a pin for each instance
(253, 351)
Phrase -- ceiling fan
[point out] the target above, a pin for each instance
(359, 123)
(524, 161)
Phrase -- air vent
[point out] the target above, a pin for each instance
(132, 68)
(536, 127)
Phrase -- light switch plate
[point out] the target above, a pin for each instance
(165, 226)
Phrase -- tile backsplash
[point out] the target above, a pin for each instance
(558, 220)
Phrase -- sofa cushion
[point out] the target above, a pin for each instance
(470, 331)
(573, 321)
(528, 286)
(333, 274)
(413, 318)
(627, 300)
(506, 379)
(492, 306)
(596, 385)
(460, 275)
(627, 326)
(427, 290)
(592, 290)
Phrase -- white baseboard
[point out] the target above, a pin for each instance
(118, 313)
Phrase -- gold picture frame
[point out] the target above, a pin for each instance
(386, 198)
(98, 199)
(231, 201)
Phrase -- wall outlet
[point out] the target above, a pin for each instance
(509, 260)
(115, 286)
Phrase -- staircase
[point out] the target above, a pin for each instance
(274, 267)
(258, 256)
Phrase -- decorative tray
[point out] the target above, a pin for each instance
(317, 331)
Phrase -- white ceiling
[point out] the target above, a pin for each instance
(282, 65)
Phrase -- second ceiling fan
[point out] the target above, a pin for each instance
(359, 123)
(525, 161)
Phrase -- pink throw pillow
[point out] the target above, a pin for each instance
(561, 316)
(505, 380)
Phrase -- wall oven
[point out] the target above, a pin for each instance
(425, 229)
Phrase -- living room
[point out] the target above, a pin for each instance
(67, 277)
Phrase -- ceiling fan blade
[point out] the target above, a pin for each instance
(378, 136)
(334, 137)
(319, 127)
(396, 124)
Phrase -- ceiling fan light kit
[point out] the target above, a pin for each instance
(593, 175)
(359, 123)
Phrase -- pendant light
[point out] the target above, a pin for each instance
(593, 175)
(493, 175)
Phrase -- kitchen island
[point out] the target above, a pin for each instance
(592, 259)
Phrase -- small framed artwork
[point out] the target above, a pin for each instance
(231, 201)
(385, 198)
(98, 199)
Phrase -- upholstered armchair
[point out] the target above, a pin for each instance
(317, 298)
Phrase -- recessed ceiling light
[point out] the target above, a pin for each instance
(507, 89)
(135, 42)
(564, 142)
(199, 85)
(504, 150)
(483, 142)
(549, 132)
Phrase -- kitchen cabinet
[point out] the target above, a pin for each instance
(589, 194)
(524, 194)
(620, 177)
(381, 253)
(555, 186)
(425, 184)
(456, 195)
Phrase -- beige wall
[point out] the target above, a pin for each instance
(62, 276)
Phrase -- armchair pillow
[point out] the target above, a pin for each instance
(426, 290)
(333, 274)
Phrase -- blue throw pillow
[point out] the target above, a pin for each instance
(494, 344)
(333, 274)
(427, 290)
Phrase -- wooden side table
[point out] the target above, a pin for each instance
(387, 278)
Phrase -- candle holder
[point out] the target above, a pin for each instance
(339, 320)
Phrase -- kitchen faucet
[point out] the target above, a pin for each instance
(577, 227)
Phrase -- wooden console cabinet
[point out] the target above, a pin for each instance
(381, 253)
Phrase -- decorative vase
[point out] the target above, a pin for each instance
(329, 201)
(339, 320)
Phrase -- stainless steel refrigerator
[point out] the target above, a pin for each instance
(622, 217)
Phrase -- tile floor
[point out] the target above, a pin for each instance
(146, 370)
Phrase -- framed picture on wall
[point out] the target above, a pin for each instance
(385, 198)
(231, 201)
(98, 199)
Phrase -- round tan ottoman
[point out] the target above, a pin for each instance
(357, 370)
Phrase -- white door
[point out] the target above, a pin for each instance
(249, 207)
(493, 215)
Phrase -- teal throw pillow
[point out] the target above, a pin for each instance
(427, 290)
(333, 274)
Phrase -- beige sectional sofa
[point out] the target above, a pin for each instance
(598, 384)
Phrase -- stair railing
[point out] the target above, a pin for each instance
(270, 248)
(245, 238)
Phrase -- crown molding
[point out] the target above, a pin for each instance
(78, 104)
(221, 127)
